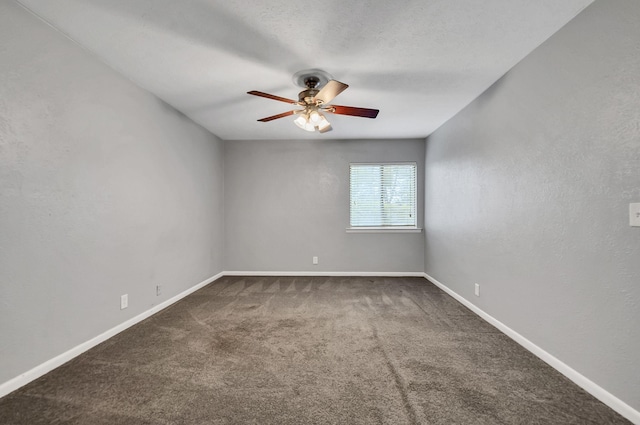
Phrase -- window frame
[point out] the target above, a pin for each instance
(389, 228)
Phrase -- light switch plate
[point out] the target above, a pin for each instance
(634, 214)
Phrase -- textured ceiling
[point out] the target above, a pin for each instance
(418, 61)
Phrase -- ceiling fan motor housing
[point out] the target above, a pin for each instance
(307, 95)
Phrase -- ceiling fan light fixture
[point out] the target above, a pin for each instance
(312, 121)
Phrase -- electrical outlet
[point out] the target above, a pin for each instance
(124, 301)
(158, 290)
(315, 260)
(634, 215)
(477, 290)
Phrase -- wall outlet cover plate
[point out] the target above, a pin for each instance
(634, 214)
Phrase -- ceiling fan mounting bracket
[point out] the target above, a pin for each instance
(311, 81)
(308, 77)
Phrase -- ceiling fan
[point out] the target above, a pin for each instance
(320, 89)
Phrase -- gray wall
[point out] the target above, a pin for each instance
(104, 190)
(287, 201)
(528, 191)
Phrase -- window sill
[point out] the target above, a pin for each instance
(384, 230)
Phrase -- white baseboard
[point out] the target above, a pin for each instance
(585, 383)
(49, 365)
(318, 273)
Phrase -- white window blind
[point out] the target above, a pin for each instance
(383, 195)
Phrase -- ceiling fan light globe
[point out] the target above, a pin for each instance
(323, 124)
(301, 121)
(315, 117)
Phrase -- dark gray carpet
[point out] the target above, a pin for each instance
(299, 350)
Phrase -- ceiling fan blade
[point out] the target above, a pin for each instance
(272, 96)
(330, 90)
(352, 110)
(275, 117)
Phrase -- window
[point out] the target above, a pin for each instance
(383, 196)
